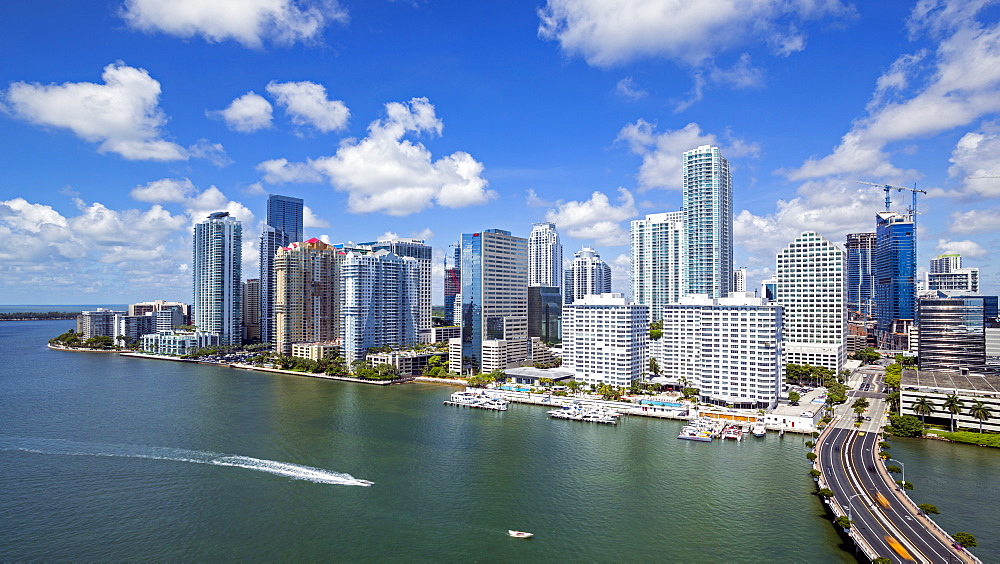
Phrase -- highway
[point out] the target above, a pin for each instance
(849, 461)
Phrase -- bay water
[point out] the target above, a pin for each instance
(112, 458)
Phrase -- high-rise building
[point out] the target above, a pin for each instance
(283, 227)
(740, 280)
(952, 331)
(415, 248)
(99, 323)
(708, 222)
(895, 270)
(861, 275)
(946, 273)
(380, 302)
(545, 313)
(658, 252)
(306, 294)
(587, 275)
(218, 277)
(545, 256)
(494, 300)
(251, 310)
(452, 286)
(604, 339)
(810, 275)
(728, 348)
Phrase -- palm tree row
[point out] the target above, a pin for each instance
(953, 405)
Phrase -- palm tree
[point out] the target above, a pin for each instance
(953, 405)
(923, 408)
(980, 411)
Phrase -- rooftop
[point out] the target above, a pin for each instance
(947, 380)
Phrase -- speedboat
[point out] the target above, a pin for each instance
(520, 534)
(692, 433)
(759, 430)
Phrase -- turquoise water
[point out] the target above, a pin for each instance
(112, 458)
(662, 403)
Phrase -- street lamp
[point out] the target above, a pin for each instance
(901, 467)
(849, 516)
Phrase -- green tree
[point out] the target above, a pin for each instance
(546, 381)
(893, 400)
(923, 407)
(859, 406)
(843, 522)
(868, 355)
(881, 560)
(655, 330)
(574, 386)
(928, 508)
(815, 473)
(811, 456)
(825, 492)
(893, 469)
(967, 540)
(794, 397)
(953, 405)
(980, 411)
(892, 380)
(654, 367)
(905, 426)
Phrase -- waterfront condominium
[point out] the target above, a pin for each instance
(380, 302)
(251, 310)
(860, 274)
(306, 294)
(895, 271)
(810, 276)
(282, 228)
(952, 331)
(740, 280)
(708, 222)
(587, 275)
(545, 256)
(218, 278)
(415, 248)
(494, 302)
(452, 286)
(946, 273)
(604, 339)
(728, 348)
(658, 261)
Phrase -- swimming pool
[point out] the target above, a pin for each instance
(660, 403)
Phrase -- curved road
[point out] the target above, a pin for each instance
(849, 462)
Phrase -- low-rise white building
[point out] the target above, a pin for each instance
(728, 348)
(604, 339)
(317, 350)
(178, 342)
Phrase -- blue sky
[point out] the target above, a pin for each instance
(124, 122)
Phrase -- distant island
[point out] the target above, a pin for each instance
(37, 315)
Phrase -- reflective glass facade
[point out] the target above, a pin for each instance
(895, 269)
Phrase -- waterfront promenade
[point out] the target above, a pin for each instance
(886, 522)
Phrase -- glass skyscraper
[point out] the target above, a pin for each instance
(218, 277)
(860, 275)
(452, 286)
(708, 222)
(283, 227)
(895, 269)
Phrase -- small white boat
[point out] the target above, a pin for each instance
(520, 534)
(759, 430)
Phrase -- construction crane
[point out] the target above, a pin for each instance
(888, 202)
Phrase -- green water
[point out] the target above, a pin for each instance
(110, 458)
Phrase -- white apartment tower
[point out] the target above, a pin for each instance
(811, 287)
(306, 294)
(417, 249)
(708, 222)
(218, 278)
(658, 252)
(586, 276)
(545, 256)
(946, 273)
(380, 302)
(740, 280)
(728, 348)
(604, 339)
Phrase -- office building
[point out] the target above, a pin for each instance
(810, 276)
(545, 256)
(708, 222)
(945, 263)
(769, 288)
(284, 226)
(658, 252)
(380, 302)
(494, 301)
(604, 340)
(895, 274)
(545, 313)
(452, 286)
(952, 331)
(587, 275)
(218, 277)
(946, 273)
(860, 274)
(728, 348)
(740, 280)
(306, 294)
(251, 310)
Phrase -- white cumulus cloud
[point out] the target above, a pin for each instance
(307, 104)
(968, 249)
(248, 22)
(596, 219)
(976, 221)
(246, 114)
(164, 190)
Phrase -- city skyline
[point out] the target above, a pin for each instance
(123, 126)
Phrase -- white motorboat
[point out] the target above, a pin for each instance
(759, 430)
(520, 534)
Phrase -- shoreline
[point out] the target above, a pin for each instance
(75, 349)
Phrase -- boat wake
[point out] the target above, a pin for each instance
(285, 469)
